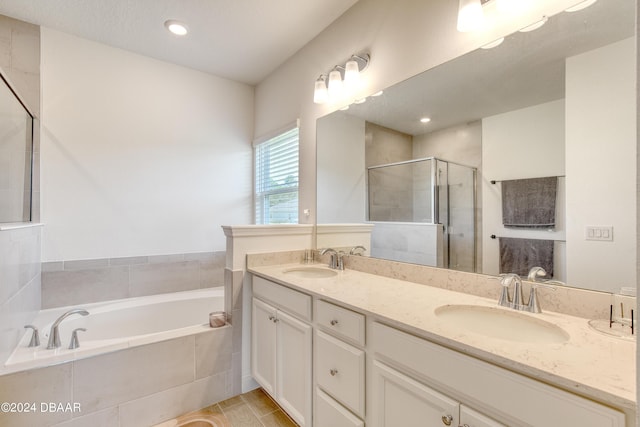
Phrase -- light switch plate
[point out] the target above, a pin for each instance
(599, 232)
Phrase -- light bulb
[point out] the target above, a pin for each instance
(470, 16)
(320, 94)
(351, 74)
(335, 84)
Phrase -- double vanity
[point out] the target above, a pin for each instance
(350, 348)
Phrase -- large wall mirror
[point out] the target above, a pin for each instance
(557, 102)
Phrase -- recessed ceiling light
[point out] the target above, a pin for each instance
(580, 6)
(378, 93)
(345, 108)
(535, 25)
(425, 120)
(176, 27)
(493, 44)
(360, 101)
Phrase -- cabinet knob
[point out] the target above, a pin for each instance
(334, 322)
(272, 318)
(447, 419)
(333, 372)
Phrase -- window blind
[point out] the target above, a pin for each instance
(276, 179)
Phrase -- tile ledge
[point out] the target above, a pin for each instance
(15, 225)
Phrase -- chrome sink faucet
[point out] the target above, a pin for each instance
(54, 335)
(334, 260)
(532, 305)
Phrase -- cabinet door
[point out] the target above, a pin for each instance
(293, 385)
(471, 418)
(263, 345)
(401, 401)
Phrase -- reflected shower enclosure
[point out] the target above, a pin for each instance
(424, 212)
(16, 157)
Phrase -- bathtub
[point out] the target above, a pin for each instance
(117, 325)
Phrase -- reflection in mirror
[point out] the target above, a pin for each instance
(16, 152)
(555, 102)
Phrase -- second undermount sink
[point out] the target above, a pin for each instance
(310, 272)
(501, 323)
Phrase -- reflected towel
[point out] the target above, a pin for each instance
(519, 255)
(529, 203)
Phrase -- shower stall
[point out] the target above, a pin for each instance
(424, 212)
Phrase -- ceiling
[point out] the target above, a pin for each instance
(526, 69)
(243, 40)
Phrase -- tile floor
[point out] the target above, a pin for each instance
(252, 409)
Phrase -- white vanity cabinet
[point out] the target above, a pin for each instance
(406, 371)
(398, 399)
(281, 346)
(339, 364)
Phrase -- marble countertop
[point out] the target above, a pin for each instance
(589, 363)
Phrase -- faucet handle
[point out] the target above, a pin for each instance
(533, 306)
(35, 338)
(75, 343)
(505, 299)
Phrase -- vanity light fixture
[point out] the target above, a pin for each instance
(535, 25)
(321, 94)
(470, 15)
(582, 5)
(341, 80)
(493, 44)
(176, 27)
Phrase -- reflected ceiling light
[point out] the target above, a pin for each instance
(580, 6)
(493, 44)
(535, 25)
(176, 27)
(425, 120)
(321, 94)
(380, 92)
(335, 86)
(470, 15)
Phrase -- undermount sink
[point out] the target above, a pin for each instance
(310, 272)
(501, 323)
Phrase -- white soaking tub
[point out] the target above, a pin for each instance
(116, 325)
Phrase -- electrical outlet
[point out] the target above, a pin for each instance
(601, 233)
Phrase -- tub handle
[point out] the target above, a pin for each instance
(35, 338)
(75, 343)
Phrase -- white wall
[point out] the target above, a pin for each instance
(601, 164)
(139, 157)
(525, 143)
(343, 177)
(404, 37)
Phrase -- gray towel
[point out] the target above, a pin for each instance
(519, 255)
(529, 203)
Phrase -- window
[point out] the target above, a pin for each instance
(276, 179)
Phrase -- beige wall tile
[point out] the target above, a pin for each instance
(103, 381)
(62, 288)
(213, 352)
(105, 418)
(51, 384)
(149, 279)
(173, 402)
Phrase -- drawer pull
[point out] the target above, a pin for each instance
(333, 372)
(447, 419)
(334, 322)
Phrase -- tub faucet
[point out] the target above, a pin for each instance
(54, 335)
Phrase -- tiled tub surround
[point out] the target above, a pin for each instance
(86, 281)
(127, 388)
(19, 283)
(591, 364)
(118, 325)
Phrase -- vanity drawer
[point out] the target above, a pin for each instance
(529, 402)
(340, 322)
(340, 371)
(330, 413)
(291, 301)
